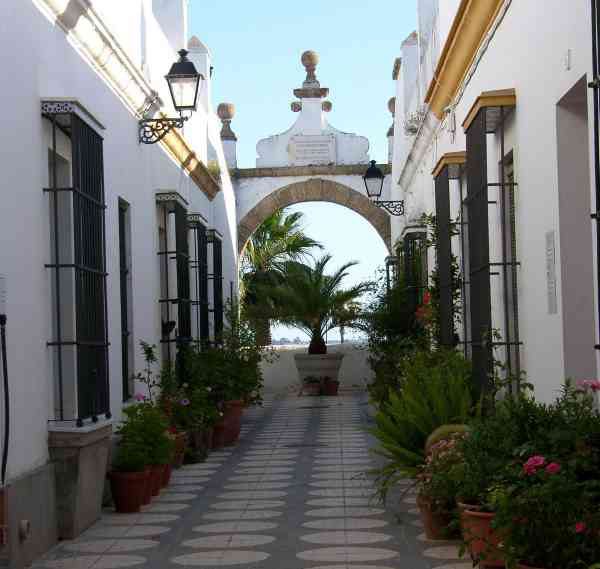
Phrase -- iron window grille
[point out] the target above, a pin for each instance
(175, 275)
(450, 168)
(125, 288)
(199, 267)
(78, 267)
(391, 271)
(217, 280)
(491, 120)
(414, 261)
(444, 258)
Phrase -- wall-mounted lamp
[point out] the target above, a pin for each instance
(373, 179)
(184, 84)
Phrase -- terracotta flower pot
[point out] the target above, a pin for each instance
(127, 490)
(481, 539)
(330, 387)
(166, 475)
(147, 492)
(156, 475)
(180, 444)
(232, 416)
(436, 524)
(218, 435)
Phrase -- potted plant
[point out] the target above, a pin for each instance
(437, 484)
(128, 477)
(549, 505)
(313, 301)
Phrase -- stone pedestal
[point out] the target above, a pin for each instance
(80, 458)
(322, 365)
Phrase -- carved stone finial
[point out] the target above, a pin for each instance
(327, 106)
(296, 106)
(226, 112)
(310, 60)
(392, 105)
(311, 88)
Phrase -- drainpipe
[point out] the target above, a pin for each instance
(3, 529)
(5, 377)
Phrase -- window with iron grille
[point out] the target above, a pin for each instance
(217, 278)
(414, 261)
(174, 258)
(491, 340)
(77, 266)
(444, 259)
(126, 295)
(199, 266)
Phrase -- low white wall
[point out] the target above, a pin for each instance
(282, 374)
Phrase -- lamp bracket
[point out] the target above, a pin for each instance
(395, 208)
(154, 130)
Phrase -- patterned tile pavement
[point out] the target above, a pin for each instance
(294, 494)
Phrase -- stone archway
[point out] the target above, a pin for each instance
(314, 190)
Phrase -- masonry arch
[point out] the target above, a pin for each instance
(315, 190)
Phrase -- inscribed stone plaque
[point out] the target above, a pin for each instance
(309, 150)
(551, 272)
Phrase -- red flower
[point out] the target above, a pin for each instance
(533, 464)
(580, 527)
(553, 468)
(427, 298)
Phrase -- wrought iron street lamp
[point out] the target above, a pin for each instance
(373, 179)
(184, 85)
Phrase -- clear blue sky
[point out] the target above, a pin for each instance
(256, 48)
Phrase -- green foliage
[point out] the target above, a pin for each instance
(541, 479)
(393, 336)
(439, 476)
(434, 325)
(436, 391)
(310, 299)
(145, 428)
(278, 240)
(130, 457)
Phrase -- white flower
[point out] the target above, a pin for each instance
(209, 389)
(185, 385)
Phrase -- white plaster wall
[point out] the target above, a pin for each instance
(530, 59)
(282, 375)
(51, 67)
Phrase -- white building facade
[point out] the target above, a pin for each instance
(494, 134)
(104, 241)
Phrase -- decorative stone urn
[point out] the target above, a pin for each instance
(318, 365)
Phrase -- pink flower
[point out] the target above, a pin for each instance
(580, 527)
(139, 397)
(553, 468)
(593, 384)
(533, 464)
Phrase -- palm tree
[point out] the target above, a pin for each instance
(315, 302)
(277, 241)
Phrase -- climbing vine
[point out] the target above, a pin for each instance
(430, 311)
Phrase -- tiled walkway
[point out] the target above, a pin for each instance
(293, 494)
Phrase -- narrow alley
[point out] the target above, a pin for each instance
(294, 493)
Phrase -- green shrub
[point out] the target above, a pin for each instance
(130, 457)
(437, 390)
